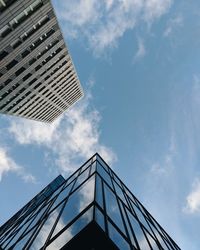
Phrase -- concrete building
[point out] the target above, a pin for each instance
(37, 77)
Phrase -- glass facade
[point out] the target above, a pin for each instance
(91, 201)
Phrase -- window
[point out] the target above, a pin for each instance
(25, 53)
(16, 43)
(32, 61)
(26, 76)
(11, 64)
(19, 71)
(38, 67)
(3, 54)
(5, 31)
(31, 82)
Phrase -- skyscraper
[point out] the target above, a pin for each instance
(37, 76)
(92, 209)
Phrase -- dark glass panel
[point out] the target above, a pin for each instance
(98, 192)
(11, 64)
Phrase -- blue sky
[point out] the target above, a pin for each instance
(138, 63)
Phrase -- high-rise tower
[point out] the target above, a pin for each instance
(92, 209)
(37, 77)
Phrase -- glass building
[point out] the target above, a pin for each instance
(37, 77)
(92, 209)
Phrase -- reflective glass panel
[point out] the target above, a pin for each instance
(70, 232)
(45, 230)
(138, 232)
(102, 163)
(93, 168)
(112, 208)
(142, 219)
(81, 178)
(23, 241)
(152, 242)
(79, 200)
(64, 194)
(99, 217)
(120, 193)
(117, 238)
(104, 174)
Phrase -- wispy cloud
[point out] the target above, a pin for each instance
(173, 24)
(166, 165)
(141, 50)
(102, 23)
(193, 198)
(72, 139)
(7, 164)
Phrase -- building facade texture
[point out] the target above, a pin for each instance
(37, 77)
(92, 209)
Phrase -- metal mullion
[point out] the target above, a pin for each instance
(44, 217)
(151, 232)
(74, 190)
(160, 230)
(34, 228)
(119, 230)
(133, 233)
(140, 224)
(95, 191)
(104, 206)
(120, 209)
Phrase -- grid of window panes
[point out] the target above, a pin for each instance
(123, 217)
(58, 217)
(38, 78)
(92, 193)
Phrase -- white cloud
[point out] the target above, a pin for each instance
(166, 165)
(193, 198)
(37, 132)
(173, 24)
(102, 23)
(72, 139)
(7, 164)
(155, 8)
(141, 51)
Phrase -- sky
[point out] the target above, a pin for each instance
(138, 63)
